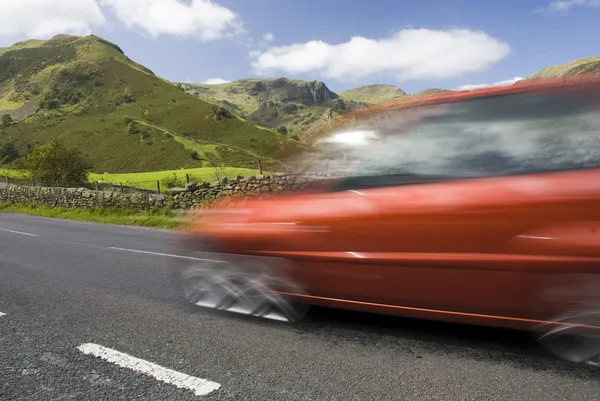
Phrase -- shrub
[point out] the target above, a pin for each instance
(6, 121)
(55, 163)
(282, 130)
(8, 153)
(172, 182)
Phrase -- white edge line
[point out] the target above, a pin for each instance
(165, 254)
(180, 380)
(18, 232)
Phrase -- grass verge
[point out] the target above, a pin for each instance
(151, 218)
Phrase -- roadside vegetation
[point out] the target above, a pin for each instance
(160, 218)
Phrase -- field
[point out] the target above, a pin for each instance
(147, 180)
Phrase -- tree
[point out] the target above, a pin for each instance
(55, 163)
(131, 128)
(8, 153)
(6, 121)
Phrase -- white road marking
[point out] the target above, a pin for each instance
(18, 232)
(2, 314)
(181, 380)
(170, 255)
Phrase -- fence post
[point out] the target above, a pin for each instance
(33, 182)
(96, 185)
(260, 170)
(121, 185)
(6, 179)
(157, 186)
(187, 178)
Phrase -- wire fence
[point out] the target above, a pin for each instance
(144, 186)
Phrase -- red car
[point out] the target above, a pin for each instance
(479, 207)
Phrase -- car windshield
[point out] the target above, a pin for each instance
(499, 135)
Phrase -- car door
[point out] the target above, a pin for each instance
(512, 165)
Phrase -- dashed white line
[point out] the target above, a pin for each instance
(18, 232)
(2, 314)
(181, 380)
(164, 254)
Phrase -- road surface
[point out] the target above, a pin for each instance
(85, 315)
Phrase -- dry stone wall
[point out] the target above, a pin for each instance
(194, 195)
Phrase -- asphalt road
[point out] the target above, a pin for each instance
(64, 287)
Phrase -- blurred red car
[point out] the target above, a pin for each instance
(479, 207)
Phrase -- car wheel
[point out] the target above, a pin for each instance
(569, 338)
(243, 286)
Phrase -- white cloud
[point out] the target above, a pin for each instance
(563, 6)
(407, 54)
(506, 82)
(201, 19)
(215, 81)
(268, 37)
(43, 19)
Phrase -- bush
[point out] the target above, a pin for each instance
(172, 182)
(194, 155)
(56, 164)
(8, 153)
(6, 121)
(218, 113)
(131, 128)
(282, 130)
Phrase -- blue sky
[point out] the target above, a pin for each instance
(413, 45)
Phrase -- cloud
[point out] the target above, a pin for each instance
(563, 6)
(43, 19)
(408, 54)
(506, 82)
(268, 37)
(201, 19)
(215, 81)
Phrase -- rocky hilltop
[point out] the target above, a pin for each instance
(275, 102)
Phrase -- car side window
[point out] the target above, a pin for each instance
(491, 136)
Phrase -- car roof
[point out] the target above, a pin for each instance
(545, 85)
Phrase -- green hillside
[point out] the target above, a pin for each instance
(126, 119)
(373, 94)
(275, 102)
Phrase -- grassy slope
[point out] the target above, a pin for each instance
(373, 94)
(95, 122)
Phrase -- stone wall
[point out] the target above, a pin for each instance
(193, 195)
(79, 197)
(242, 188)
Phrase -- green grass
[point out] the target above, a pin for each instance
(148, 180)
(157, 219)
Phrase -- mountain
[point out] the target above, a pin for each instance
(86, 91)
(373, 94)
(275, 102)
(589, 65)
